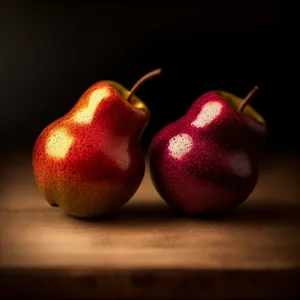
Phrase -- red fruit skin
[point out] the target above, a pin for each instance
(206, 179)
(104, 164)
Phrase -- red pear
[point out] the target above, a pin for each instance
(206, 162)
(89, 162)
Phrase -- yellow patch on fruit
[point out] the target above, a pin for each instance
(85, 115)
(59, 143)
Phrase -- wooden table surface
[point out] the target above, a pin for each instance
(146, 250)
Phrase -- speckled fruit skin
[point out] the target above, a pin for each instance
(201, 182)
(103, 166)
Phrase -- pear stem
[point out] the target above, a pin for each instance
(142, 80)
(248, 98)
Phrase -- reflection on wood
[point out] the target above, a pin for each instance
(147, 248)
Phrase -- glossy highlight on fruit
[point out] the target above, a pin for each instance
(89, 162)
(205, 162)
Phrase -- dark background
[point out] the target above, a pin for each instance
(51, 52)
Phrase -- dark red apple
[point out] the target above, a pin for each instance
(206, 162)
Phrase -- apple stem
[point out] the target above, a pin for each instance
(142, 80)
(248, 98)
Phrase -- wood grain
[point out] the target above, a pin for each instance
(148, 250)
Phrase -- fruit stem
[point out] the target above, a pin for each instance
(248, 98)
(142, 80)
